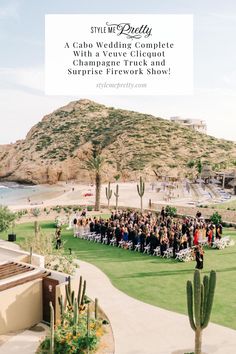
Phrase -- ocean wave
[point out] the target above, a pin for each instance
(4, 187)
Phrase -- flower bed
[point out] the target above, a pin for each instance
(74, 338)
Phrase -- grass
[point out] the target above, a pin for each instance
(160, 282)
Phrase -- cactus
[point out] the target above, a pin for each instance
(62, 309)
(88, 320)
(79, 290)
(108, 194)
(96, 309)
(70, 294)
(75, 313)
(83, 293)
(52, 334)
(116, 194)
(200, 300)
(141, 190)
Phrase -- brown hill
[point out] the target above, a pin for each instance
(132, 143)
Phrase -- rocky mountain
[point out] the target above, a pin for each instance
(132, 143)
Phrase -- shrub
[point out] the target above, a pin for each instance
(44, 245)
(61, 220)
(58, 209)
(171, 211)
(190, 164)
(6, 218)
(35, 212)
(21, 213)
(216, 218)
(89, 208)
(61, 263)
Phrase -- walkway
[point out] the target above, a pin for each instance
(140, 328)
(25, 342)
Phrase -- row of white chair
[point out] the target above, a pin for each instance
(183, 255)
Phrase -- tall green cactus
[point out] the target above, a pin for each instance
(70, 295)
(199, 301)
(116, 194)
(88, 331)
(75, 312)
(108, 194)
(96, 309)
(80, 291)
(141, 190)
(62, 308)
(83, 294)
(52, 333)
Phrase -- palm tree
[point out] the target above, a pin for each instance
(94, 164)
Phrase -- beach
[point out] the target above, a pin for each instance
(75, 194)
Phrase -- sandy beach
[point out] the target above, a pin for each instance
(156, 195)
(74, 194)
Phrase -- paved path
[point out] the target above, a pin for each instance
(25, 342)
(140, 328)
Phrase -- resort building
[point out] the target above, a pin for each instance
(27, 288)
(196, 124)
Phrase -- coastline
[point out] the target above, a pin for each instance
(74, 194)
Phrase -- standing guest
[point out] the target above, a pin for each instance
(91, 226)
(163, 244)
(117, 234)
(210, 236)
(58, 238)
(199, 257)
(142, 241)
(190, 235)
(83, 213)
(196, 236)
(163, 213)
(198, 215)
(153, 243)
(218, 231)
(103, 230)
(97, 227)
(175, 243)
(125, 234)
(133, 234)
(75, 226)
(109, 233)
(184, 241)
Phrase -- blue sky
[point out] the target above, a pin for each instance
(22, 98)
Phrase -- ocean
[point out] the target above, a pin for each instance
(12, 193)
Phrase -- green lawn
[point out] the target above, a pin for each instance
(157, 281)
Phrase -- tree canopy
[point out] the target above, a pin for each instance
(6, 218)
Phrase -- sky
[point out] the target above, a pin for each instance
(23, 101)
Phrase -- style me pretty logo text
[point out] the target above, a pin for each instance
(125, 29)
